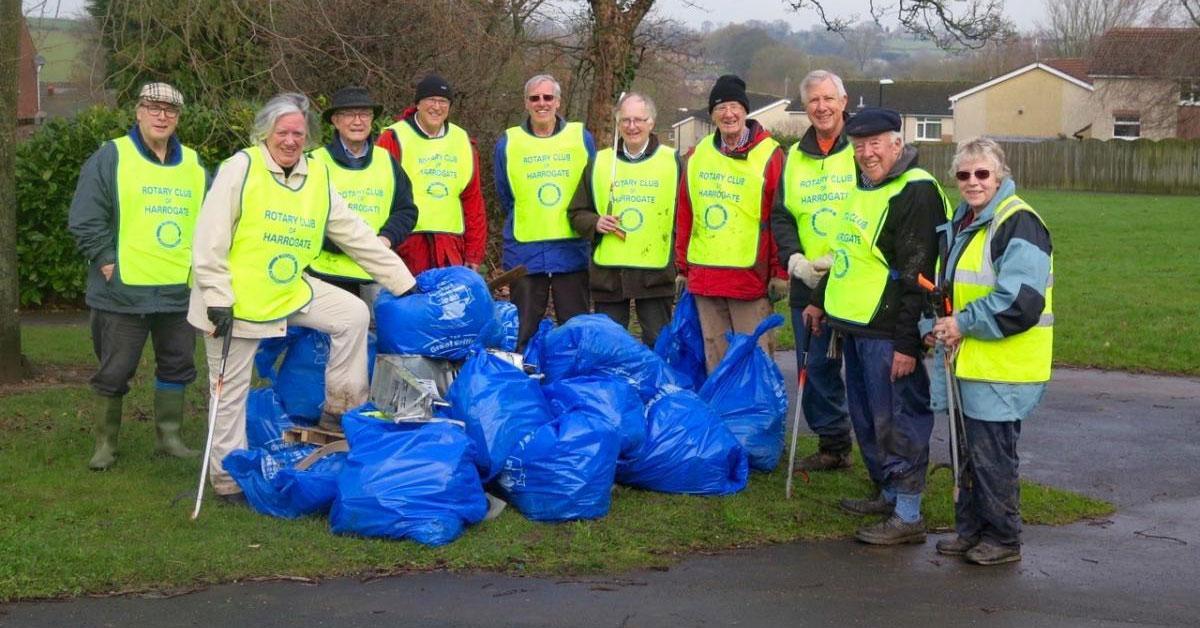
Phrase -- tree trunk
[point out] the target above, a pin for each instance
(610, 52)
(12, 365)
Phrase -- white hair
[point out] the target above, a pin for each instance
(646, 100)
(281, 105)
(981, 148)
(543, 78)
(817, 76)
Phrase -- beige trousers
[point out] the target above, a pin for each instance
(334, 311)
(719, 315)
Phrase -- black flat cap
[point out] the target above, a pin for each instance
(872, 121)
(353, 97)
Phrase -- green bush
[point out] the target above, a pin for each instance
(48, 164)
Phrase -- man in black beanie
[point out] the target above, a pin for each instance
(443, 162)
(724, 249)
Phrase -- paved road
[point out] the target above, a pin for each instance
(1129, 439)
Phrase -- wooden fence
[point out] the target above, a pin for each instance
(1142, 166)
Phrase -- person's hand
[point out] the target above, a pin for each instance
(929, 340)
(902, 365)
(814, 317)
(680, 286)
(802, 269)
(608, 224)
(946, 330)
(107, 271)
(222, 320)
(387, 244)
(777, 289)
(472, 265)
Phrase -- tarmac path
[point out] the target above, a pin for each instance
(1130, 439)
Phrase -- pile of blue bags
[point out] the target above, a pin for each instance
(593, 407)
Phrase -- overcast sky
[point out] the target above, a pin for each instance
(1025, 13)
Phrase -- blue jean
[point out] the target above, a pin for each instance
(989, 503)
(892, 420)
(824, 402)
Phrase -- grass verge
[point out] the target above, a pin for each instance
(69, 531)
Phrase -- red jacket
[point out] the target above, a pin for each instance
(422, 251)
(734, 283)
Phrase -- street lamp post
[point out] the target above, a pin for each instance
(882, 82)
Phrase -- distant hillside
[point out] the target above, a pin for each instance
(61, 42)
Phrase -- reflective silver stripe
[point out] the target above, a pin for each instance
(975, 278)
(1045, 320)
(1050, 281)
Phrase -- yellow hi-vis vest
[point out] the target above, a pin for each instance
(814, 192)
(369, 192)
(1018, 359)
(644, 201)
(543, 173)
(726, 198)
(440, 169)
(157, 207)
(860, 272)
(277, 236)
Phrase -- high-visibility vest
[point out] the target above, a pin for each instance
(157, 206)
(369, 192)
(278, 235)
(1017, 359)
(440, 169)
(644, 201)
(726, 198)
(860, 271)
(543, 173)
(814, 191)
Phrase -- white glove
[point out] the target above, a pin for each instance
(804, 270)
(824, 263)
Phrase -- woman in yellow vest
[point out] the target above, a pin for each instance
(635, 269)
(1000, 270)
(262, 224)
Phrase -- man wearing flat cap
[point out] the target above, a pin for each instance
(372, 183)
(883, 240)
(443, 163)
(724, 249)
(133, 216)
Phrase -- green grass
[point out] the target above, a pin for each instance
(69, 531)
(60, 46)
(1127, 281)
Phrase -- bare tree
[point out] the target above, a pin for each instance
(12, 365)
(613, 55)
(863, 43)
(949, 23)
(1075, 25)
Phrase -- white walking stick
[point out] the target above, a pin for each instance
(612, 175)
(213, 403)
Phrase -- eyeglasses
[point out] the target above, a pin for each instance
(169, 113)
(541, 97)
(356, 115)
(633, 121)
(981, 175)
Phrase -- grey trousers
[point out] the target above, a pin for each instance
(989, 501)
(118, 340)
(653, 314)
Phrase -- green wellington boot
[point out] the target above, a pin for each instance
(107, 427)
(168, 415)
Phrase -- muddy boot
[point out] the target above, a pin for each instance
(956, 546)
(892, 531)
(330, 422)
(168, 415)
(107, 417)
(824, 461)
(876, 505)
(987, 553)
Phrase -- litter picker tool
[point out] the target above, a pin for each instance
(612, 175)
(801, 378)
(212, 420)
(958, 433)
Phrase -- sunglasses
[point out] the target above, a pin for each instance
(981, 175)
(541, 97)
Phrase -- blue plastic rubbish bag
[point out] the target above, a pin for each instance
(563, 471)
(607, 398)
(406, 481)
(442, 319)
(747, 391)
(536, 347)
(681, 344)
(300, 378)
(266, 421)
(502, 335)
(287, 492)
(499, 404)
(593, 344)
(688, 449)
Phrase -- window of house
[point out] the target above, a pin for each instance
(929, 129)
(1189, 92)
(1127, 126)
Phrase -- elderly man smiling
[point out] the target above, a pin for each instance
(883, 240)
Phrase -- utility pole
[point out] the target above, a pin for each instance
(12, 364)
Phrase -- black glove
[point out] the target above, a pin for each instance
(222, 319)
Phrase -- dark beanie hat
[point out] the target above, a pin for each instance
(872, 121)
(728, 88)
(433, 85)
